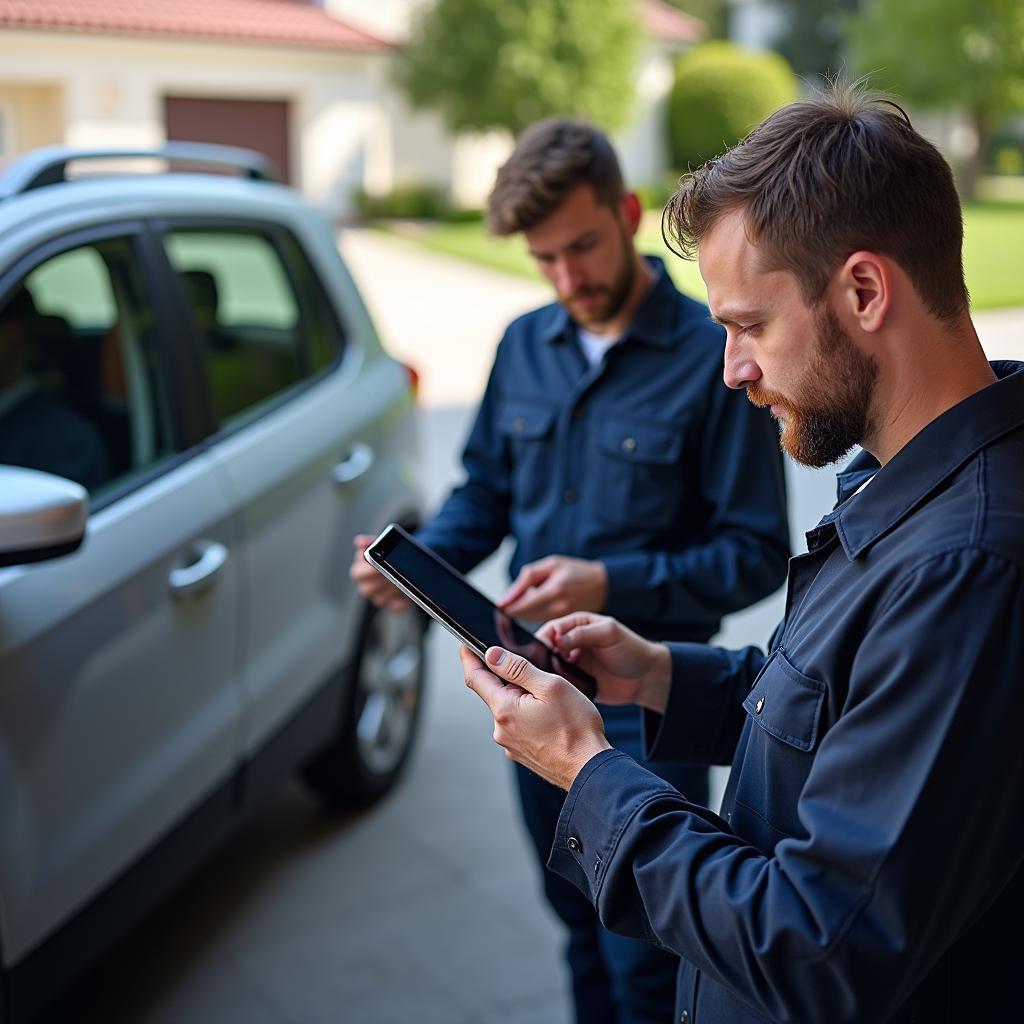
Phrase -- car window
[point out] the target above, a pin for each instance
(81, 392)
(262, 323)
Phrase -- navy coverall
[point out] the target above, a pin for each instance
(650, 464)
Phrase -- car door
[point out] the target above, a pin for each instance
(119, 707)
(294, 426)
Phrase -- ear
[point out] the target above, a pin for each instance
(865, 285)
(632, 211)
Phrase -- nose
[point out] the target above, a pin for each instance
(740, 367)
(567, 276)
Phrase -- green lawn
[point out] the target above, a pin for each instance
(993, 252)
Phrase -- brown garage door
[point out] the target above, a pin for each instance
(257, 124)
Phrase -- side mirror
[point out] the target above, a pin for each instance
(41, 516)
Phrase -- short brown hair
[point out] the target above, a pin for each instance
(825, 177)
(551, 158)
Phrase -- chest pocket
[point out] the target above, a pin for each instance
(785, 708)
(637, 479)
(528, 429)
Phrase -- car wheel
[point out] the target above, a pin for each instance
(382, 713)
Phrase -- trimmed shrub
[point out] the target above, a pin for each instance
(405, 202)
(721, 92)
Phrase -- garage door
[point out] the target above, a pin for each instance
(257, 124)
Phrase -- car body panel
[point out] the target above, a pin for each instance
(119, 705)
(130, 711)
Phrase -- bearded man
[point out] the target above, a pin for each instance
(868, 863)
(631, 480)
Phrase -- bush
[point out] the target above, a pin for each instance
(405, 202)
(721, 92)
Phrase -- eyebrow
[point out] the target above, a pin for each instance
(578, 240)
(736, 316)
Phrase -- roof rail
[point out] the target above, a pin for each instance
(48, 165)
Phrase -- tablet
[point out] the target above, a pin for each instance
(447, 596)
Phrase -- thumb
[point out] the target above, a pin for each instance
(514, 668)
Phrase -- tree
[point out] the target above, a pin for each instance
(506, 63)
(943, 53)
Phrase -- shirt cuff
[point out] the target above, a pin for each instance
(608, 791)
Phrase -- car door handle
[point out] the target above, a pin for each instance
(358, 460)
(191, 579)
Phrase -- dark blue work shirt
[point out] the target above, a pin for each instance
(869, 865)
(647, 462)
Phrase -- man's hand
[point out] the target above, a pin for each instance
(541, 720)
(628, 668)
(371, 584)
(556, 585)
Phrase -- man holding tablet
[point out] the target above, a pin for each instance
(868, 864)
(632, 481)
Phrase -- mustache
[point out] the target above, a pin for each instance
(762, 397)
(587, 292)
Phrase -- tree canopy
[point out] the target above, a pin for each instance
(946, 53)
(506, 63)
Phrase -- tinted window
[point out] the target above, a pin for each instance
(81, 394)
(261, 319)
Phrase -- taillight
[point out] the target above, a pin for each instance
(414, 380)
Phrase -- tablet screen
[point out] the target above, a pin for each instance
(451, 599)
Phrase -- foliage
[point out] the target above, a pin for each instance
(721, 92)
(489, 64)
(966, 53)
(406, 202)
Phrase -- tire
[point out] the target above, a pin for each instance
(382, 712)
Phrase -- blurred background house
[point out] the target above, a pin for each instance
(309, 84)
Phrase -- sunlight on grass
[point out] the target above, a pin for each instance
(993, 244)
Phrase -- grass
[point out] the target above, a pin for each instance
(993, 246)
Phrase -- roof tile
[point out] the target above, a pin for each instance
(273, 22)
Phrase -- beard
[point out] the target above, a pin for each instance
(829, 411)
(610, 298)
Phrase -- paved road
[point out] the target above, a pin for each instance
(427, 908)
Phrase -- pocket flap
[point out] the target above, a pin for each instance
(641, 441)
(525, 420)
(786, 703)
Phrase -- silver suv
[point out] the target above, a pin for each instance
(195, 418)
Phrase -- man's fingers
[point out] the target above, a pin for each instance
(513, 668)
(480, 679)
(555, 628)
(586, 634)
(361, 541)
(529, 576)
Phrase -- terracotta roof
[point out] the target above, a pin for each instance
(274, 22)
(671, 24)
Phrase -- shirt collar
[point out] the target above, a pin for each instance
(653, 322)
(925, 462)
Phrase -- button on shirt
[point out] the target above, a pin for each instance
(870, 867)
(645, 460)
